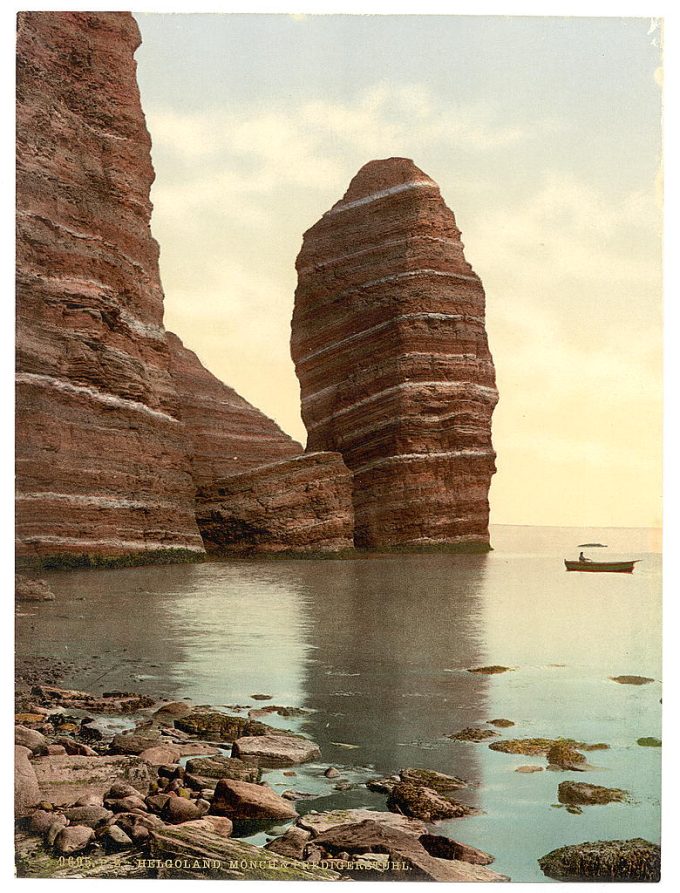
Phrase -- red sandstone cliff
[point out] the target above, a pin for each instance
(226, 435)
(117, 423)
(101, 458)
(391, 352)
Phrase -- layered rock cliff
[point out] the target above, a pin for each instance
(226, 435)
(391, 351)
(117, 423)
(256, 490)
(101, 457)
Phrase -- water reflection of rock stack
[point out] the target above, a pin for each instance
(393, 639)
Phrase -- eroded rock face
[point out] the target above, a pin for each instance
(301, 504)
(226, 434)
(391, 351)
(102, 467)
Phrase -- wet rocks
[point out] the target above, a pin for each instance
(438, 781)
(473, 734)
(276, 750)
(221, 727)
(577, 793)
(527, 770)
(604, 860)
(172, 710)
(424, 803)
(501, 723)
(493, 670)
(649, 742)
(631, 680)
(563, 755)
(239, 800)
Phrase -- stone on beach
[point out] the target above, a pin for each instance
(219, 766)
(73, 839)
(447, 848)
(223, 727)
(92, 816)
(30, 589)
(29, 738)
(240, 800)
(274, 751)
(179, 809)
(160, 755)
(291, 844)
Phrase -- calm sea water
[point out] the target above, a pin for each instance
(379, 649)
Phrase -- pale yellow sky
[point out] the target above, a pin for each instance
(544, 137)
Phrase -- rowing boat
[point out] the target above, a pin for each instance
(598, 567)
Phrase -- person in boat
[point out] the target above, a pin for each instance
(582, 557)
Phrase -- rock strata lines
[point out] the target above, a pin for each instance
(391, 351)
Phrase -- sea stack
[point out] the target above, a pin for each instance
(390, 347)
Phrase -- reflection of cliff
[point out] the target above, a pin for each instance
(386, 632)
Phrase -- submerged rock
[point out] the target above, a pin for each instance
(631, 680)
(501, 723)
(649, 742)
(604, 860)
(563, 755)
(577, 793)
(492, 670)
(473, 734)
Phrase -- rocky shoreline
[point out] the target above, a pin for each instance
(122, 785)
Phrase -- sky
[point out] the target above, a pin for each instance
(544, 135)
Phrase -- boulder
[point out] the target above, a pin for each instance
(447, 848)
(91, 816)
(577, 793)
(221, 727)
(291, 844)
(604, 860)
(180, 809)
(563, 755)
(374, 837)
(473, 734)
(219, 766)
(34, 741)
(238, 800)
(63, 779)
(135, 742)
(424, 803)
(276, 750)
(73, 839)
(42, 820)
(171, 711)
(160, 755)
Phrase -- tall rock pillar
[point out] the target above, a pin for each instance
(390, 348)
